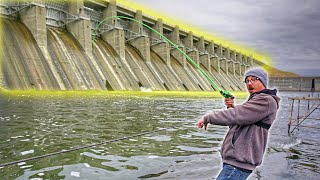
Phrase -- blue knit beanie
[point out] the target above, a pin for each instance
(259, 73)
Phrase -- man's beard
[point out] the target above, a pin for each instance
(251, 88)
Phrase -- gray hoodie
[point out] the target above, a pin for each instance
(245, 142)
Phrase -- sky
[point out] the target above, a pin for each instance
(287, 30)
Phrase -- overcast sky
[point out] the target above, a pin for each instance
(287, 30)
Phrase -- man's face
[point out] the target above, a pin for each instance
(254, 84)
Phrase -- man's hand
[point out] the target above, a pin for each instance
(201, 124)
(229, 102)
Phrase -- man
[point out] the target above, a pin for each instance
(244, 145)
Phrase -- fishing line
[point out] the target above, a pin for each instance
(225, 94)
(83, 147)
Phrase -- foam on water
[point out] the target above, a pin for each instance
(195, 149)
(160, 138)
(27, 152)
(143, 89)
(287, 146)
(22, 163)
(24, 167)
(75, 174)
(153, 157)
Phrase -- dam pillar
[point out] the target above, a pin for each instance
(115, 37)
(231, 62)
(222, 59)
(175, 38)
(242, 65)
(245, 63)
(191, 52)
(188, 41)
(34, 17)
(142, 43)
(226, 54)
(81, 28)
(238, 64)
(205, 60)
(179, 56)
(194, 55)
(204, 57)
(200, 45)
(243, 69)
(250, 61)
(215, 62)
(210, 48)
(162, 48)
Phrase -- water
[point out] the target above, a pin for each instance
(33, 126)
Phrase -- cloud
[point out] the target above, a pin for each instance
(288, 30)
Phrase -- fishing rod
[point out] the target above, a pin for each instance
(225, 94)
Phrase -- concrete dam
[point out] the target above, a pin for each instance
(52, 45)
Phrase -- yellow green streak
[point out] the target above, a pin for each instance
(117, 94)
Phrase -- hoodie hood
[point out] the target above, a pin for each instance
(271, 92)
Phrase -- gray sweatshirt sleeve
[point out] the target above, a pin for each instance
(248, 113)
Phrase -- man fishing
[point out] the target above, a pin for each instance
(244, 145)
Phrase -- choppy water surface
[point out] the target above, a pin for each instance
(37, 126)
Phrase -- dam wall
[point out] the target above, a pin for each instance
(54, 45)
(305, 84)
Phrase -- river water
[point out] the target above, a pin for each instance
(33, 126)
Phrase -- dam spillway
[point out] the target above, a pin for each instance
(49, 45)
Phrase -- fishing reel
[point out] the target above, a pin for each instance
(226, 94)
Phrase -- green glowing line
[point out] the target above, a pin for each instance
(225, 94)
